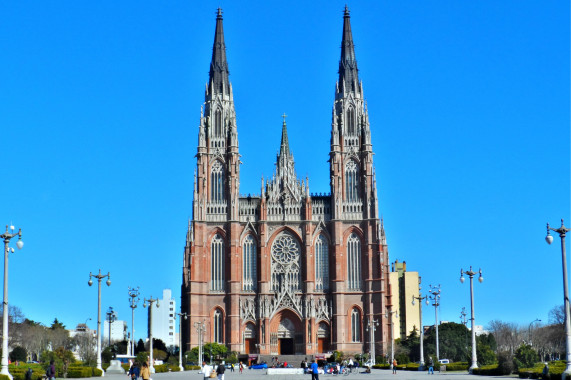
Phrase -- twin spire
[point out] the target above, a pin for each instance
(348, 72)
(219, 66)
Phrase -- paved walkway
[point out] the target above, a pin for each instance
(261, 374)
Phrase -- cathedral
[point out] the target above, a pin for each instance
(286, 271)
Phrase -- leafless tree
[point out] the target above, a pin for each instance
(85, 343)
(509, 336)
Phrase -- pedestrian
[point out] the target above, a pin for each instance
(51, 371)
(430, 366)
(545, 371)
(350, 365)
(29, 373)
(314, 370)
(241, 367)
(220, 371)
(394, 366)
(304, 365)
(206, 370)
(134, 372)
(232, 367)
(145, 372)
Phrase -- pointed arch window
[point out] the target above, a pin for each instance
(286, 264)
(354, 262)
(351, 181)
(321, 264)
(249, 276)
(217, 183)
(218, 326)
(355, 325)
(218, 123)
(351, 130)
(217, 264)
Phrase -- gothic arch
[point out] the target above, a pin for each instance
(249, 230)
(321, 229)
(357, 231)
(217, 327)
(288, 229)
(355, 327)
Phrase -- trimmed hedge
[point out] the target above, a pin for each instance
(556, 369)
(487, 370)
(457, 366)
(4, 377)
(19, 372)
(187, 368)
(97, 372)
(79, 372)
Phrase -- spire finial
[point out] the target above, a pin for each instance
(284, 116)
(219, 13)
(345, 13)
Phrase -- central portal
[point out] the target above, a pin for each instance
(287, 346)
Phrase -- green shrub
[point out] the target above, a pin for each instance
(79, 372)
(161, 368)
(457, 366)
(187, 368)
(382, 366)
(19, 373)
(525, 357)
(97, 372)
(486, 370)
(174, 367)
(505, 364)
(4, 377)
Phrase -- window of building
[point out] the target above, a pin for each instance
(170, 333)
(249, 276)
(217, 264)
(286, 260)
(321, 264)
(355, 325)
(217, 183)
(354, 262)
(351, 181)
(351, 130)
(218, 123)
(218, 326)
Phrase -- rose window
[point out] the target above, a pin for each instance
(285, 250)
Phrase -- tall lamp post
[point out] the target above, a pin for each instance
(151, 301)
(549, 239)
(181, 316)
(133, 301)
(200, 329)
(389, 314)
(434, 296)
(371, 327)
(529, 330)
(111, 317)
(7, 236)
(420, 298)
(99, 277)
(471, 274)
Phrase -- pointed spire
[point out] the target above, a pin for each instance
(284, 147)
(218, 66)
(348, 73)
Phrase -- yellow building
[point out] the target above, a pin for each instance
(404, 285)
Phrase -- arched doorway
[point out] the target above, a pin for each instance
(250, 339)
(286, 334)
(323, 340)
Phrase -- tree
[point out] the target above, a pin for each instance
(57, 325)
(557, 315)
(18, 354)
(85, 343)
(525, 357)
(140, 346)
(453, 343)
(218, 350)
(507, 335)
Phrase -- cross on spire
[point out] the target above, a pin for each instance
(284, 116)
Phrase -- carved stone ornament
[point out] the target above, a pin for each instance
(247, 308)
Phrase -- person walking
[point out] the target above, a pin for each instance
(220, 371)
(314, 370)
(232, 367)
(394, 366)
(241, 367)
(206, 370)
(145, 371)
(430, 366)
(51, 371)
(134, 372)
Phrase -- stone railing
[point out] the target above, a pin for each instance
(320, 209)
(248, 209)
(290, 212)
(216, 212)
(353, 210)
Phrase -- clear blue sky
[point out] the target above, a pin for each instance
(469, 111)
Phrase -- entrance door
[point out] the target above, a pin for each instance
(249, 346)
(287, 346)
(322, 345)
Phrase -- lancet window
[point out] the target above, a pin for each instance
(249, 276)
(355, 325)
(217, 264)
(354, 262)
(217, 123)
(351, 130)
(351, 181)
(218, 326)
(286, 257)
(217, 183)
(321, 264)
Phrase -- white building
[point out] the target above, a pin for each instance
(164, 323)
(118, 331)
(82, 329)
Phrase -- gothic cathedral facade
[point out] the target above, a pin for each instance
(285, 271)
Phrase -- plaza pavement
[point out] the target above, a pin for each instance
(261, 374)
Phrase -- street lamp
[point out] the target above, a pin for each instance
(133, 301)
(387, 315)
(185, 316)
(434, 296)
(420, 298)
(371, 327)
(549, 239)
(7, 236)
(200, 329)
(111, 317)
(99, 277)
(531, 323)
(471, 274)
(151, 301)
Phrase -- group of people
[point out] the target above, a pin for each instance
(143, 372)
(210, 372)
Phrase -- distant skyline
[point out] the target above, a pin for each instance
(469, 110)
